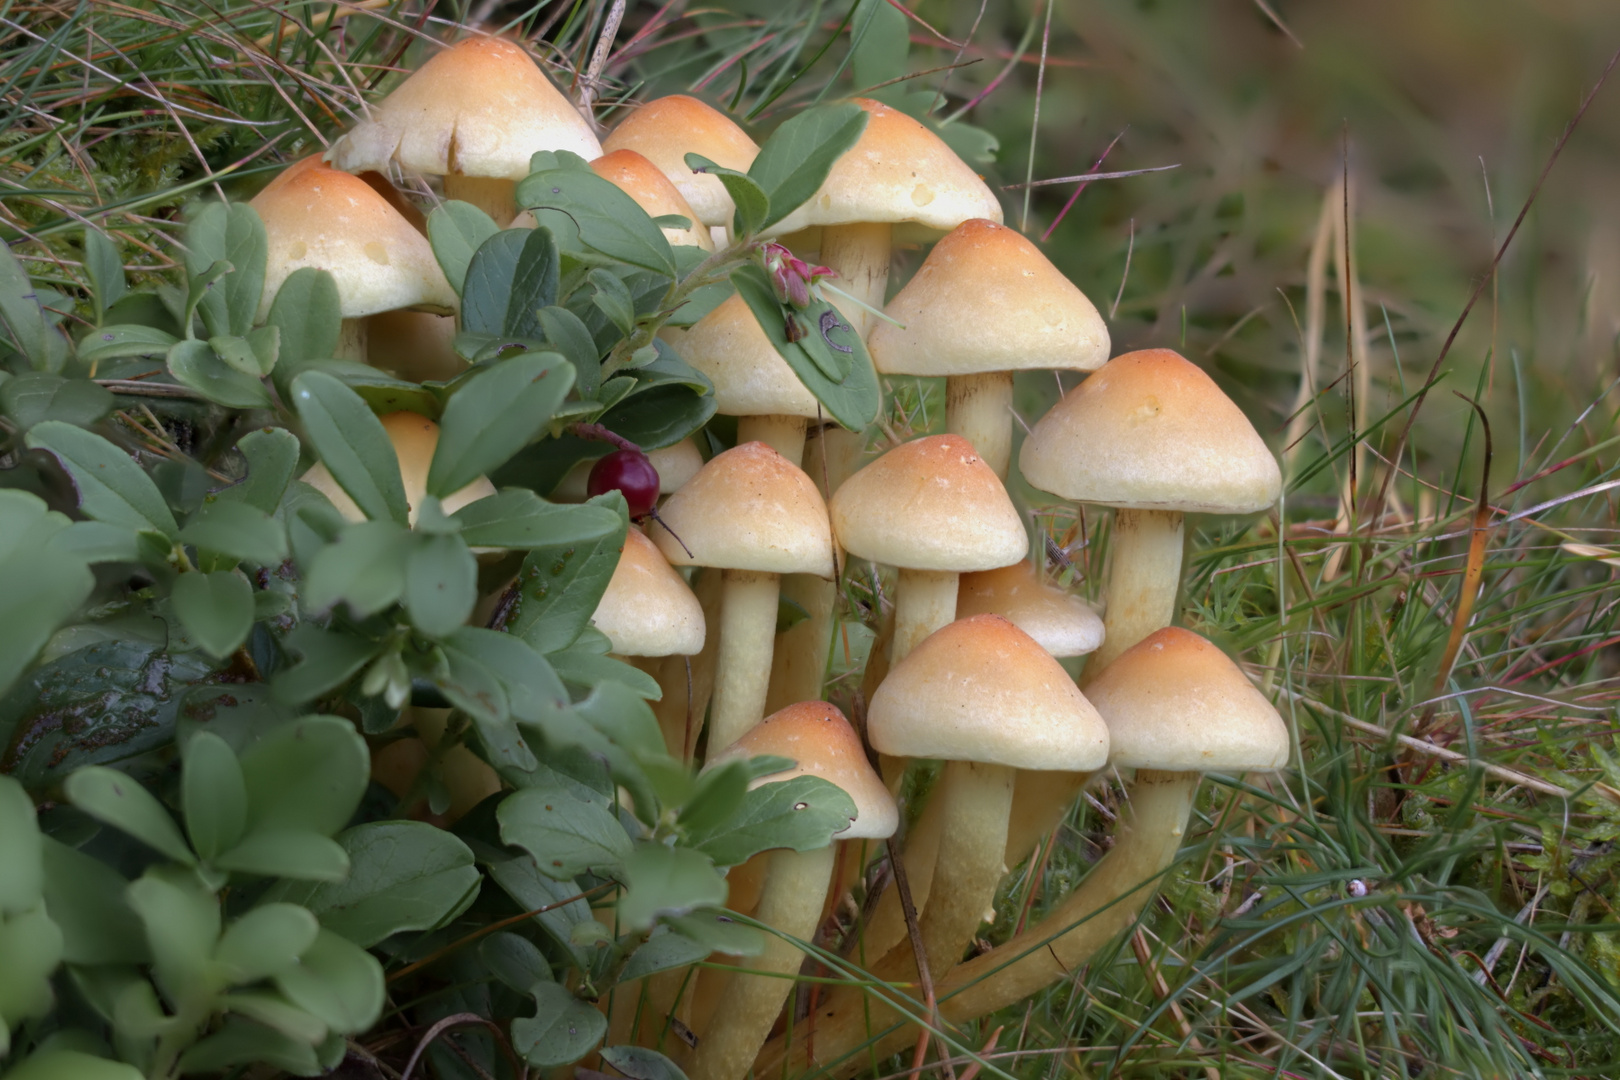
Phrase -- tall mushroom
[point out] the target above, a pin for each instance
(984, 304)
(1176, 707)
(474, 114)
(642, 181)
(934, 509)
(317, 216)
(756, 516)
(666, 129)
(1153, 436)
(821, 743)
(897, 173)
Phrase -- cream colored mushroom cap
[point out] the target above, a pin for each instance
(980, 689)
(897, 171)
(1060, 622)
(642, 181)
(648, 609)
(821, 743)
(1150, 431)
(929, 504)
(750, 377)
(749, 508)
(479, 108)
(665, 130)
(1177, 703)
(325, 218)
(986, 299)
(415, 437)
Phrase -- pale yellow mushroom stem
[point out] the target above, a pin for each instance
(784, 434)
(979, 408)
(743, 667)
(494, 196)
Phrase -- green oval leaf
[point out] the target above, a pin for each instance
(353, 445)
(212, 794)
(112, 488)
(118, 800)
(493, 415)
(216, 609)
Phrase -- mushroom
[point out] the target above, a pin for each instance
(984, 304)
(665, 130)
(316, 216)
(932, 508)
(1060, 622)
(751, 380)
(474, 114)
(898, 172)
(756, 516)
(653, 192)
(415, 438)
(1153, 436)
(1176, 707)
(821, 743)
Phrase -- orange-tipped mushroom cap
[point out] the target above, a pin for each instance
(986, 299)
(318, 216)
(1177, 703)
(980, 689)
(749, 508)
(666, 130)
(929, 504)
(898, 171)
(415, 437)
(1151, 431)
(1060, 622)
(648, 609)
(479, 108)
(750, 377)
(821, 743)
(643, 182)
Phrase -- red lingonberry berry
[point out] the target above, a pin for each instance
(628, 472)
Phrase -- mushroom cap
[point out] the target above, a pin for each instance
(415, 437)
(1150, 431)
(642, 181)
(816, 736)
(667, 129)
(750, 377)
(1060, 622)
(1175, 702)
(981, 689)
(648, 609)
(318, 216)
(897, 171)
(479, 108)
(749, 508)
(929, 504)
(986, 299)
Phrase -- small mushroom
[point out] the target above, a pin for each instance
(821, 743)
(474, 114)
(1060, 622)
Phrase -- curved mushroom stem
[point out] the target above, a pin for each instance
(887, 927)
(354, 338)
(784, 434)
(495, 197)
(975, 798)
(791, 904)
(688, 681)
(1105, 904)
(743, 667)
(979, 408)
(924, 602)
(859, 254)
(1143, 577)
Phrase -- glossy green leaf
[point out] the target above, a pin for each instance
(112, 488)
(265, 942)
(32, 947)
(272, 461)
(307, 315)
(61, 1064)
(567, 835)
(664, 881)
(520, 878)
(237, 529)
(586, 669)
(493, 415)
(612, 298)
(105, 270)
(274, 1011)
(36, 396)
(353, 445)
(298, 854)
(337, 981)
(85, 897)
(563, 1029)
(517, 518)
(571, 338)
(535, 279)
(753, 205)
(182, 924)
(561, 584)
(118, 800)
(719, 791)
(441, 583)
(40, 589)
(533, 689)
(663, 951)
(233, 233)
(114, 342)
(245, 355)
(22, 319)
(216, 609)
(456, 230)
(719, 932)
(609, 221)
(795, 160)
(21, 854)
(240, 1042)
(488, 297)
(365, 569)
(660, 416)
(213, 795)
(307, 775)
(640, 1063)
(804, 814)
(403, 875)
(515, 960)
(26, 523)
(329, 660)
(880, 41)
(853, 401)
(195, 364)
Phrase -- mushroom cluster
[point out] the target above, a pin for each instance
(969, 673)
